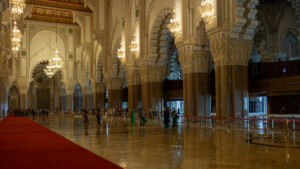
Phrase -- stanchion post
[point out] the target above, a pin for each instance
(287, 128)
(238, 119)
(272, 122)
(201, 122)
(248, 124)
(294, 124)
(214, 122)
(255, 121)
(266, 125)
(229, 123)
(188, 121)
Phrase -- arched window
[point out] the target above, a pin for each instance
(289, 46)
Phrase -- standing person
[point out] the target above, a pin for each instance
(142, 117)
(167, 117)
(174, 117)
(132, 116)
(98, 116)
(85, 116)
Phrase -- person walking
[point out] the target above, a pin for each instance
(167, 117)
(142, 117)
(174, 117)
(98, 116)
(132, 116)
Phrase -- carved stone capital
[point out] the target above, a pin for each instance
(70, 87)
(228, 51)
(151, 73)
(132, 75)
(100, 87)
(23, 85)
(114, 83)
(194, 58)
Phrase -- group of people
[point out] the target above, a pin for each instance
(173, 114)
(141, 113)
(27, 112)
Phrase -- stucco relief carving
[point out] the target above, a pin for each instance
(194, 58)
(276, 84)
(229, 51)
(114, 83)
(132, 76)
(100, 87)
(245, 21)
(158, 37)
(35, 26)
(23, 85)
(151, 73)
(70, 87)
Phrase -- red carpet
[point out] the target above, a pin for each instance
(25, 144)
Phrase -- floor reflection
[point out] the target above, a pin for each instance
(155, 147)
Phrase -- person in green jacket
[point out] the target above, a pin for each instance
(132, 116)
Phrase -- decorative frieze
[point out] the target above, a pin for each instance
(229, 51)
(114, 83)
(23, 85)
(194, 59)
(132, 75)
(151, 73)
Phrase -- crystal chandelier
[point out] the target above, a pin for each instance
(56, 61)
(49, 70)
(206, 10)
(17, 8)
(120, 53)
(174, 24)
(134, 45)
(16, 38)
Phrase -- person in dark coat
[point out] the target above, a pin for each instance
(167, 117)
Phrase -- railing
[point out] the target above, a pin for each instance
(266, 70)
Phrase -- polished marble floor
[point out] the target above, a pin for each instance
(155, 147)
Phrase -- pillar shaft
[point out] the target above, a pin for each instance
(115, 98)
(231, 90)
(231, 60)
(152, 95)
(115, 92)
(134, 96)
(196, 94)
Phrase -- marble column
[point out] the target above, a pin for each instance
(152, 95)
(152, 77)
(134, 88)
(23, 87)
(196, 96)
(100, 95)
(115, 92)
(231, 61)
(70, 87)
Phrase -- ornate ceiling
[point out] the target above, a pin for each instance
(60, 11)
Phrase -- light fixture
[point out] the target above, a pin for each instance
(174, 23)
(49, 70)
(56, 61)
(134, 45)
(16, 39)
(120, 53)
(17, 8)
(206, 10)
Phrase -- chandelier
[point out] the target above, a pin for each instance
(174, 24)
(16, 38)
(134, 45)
(49, 71)
(56, 61)
(120, 53)
(17, 8)
(206, 10)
